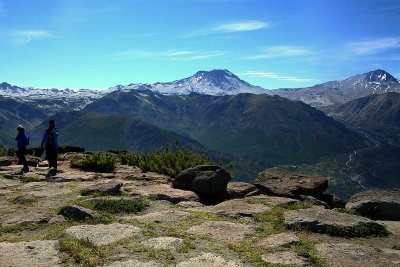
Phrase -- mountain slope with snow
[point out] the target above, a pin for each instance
(214, 82)
(51, 100)
(340, 92)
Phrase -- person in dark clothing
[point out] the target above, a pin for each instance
(22, 141)
(50, 144)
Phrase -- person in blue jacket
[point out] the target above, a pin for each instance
(22, 141)
(50, 144)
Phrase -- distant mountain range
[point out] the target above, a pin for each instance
(269, 129)
(340, 92)
(218, 113)
(215, 82)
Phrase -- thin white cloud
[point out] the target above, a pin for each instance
(238, 26)
(374, 46)
(25, 37)
(177, 55)
(275, 76)
(281, 51)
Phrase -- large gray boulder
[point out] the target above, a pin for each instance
(208, 181)
(377, 204)
(280, 182)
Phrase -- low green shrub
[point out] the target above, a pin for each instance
(122, 205)
(361, 229)
(165, 160)
(11, 151)
(96, 162)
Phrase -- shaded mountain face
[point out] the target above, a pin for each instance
(101, 132)
(215, 82)
(376, 114)
(269, 129)
(13, 113)
(340, 92)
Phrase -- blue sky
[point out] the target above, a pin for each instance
(271, 43)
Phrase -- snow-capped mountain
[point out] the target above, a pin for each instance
(215, 82)
(52, 100)
(340, 92)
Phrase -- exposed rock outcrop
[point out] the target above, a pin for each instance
(208, 181)
(334, 223)
(379, 204)
(284, 183)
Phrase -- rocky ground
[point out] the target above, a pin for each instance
(77, 218)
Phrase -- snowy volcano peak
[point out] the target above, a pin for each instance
(380, 76)
(216, 77)
(214, 82)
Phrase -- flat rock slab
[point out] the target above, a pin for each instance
(190, 204)
(274, 201)
(392, 226)
(165, 242)
(280, 182)
(28, 218)
(320, 220)
(165, 192)
(223, 231)
(234, 208)
(378, 204)
(241, 190)
(344, 254)
(278, 240)
(209, 260)
(285, 258)
(33, 254)
(103, 234)
(133, 263)
(168, 217)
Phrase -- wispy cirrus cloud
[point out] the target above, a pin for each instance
(237, 26)
(281, 51)
(177, 55)
(25, 37)
(374, 46)
(275, 76)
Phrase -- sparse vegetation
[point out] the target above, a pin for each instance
(165, 160)
(307, 248)
(114, 206)
(83, 252)
(96, 162)
(362, 229)
(10, 151)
